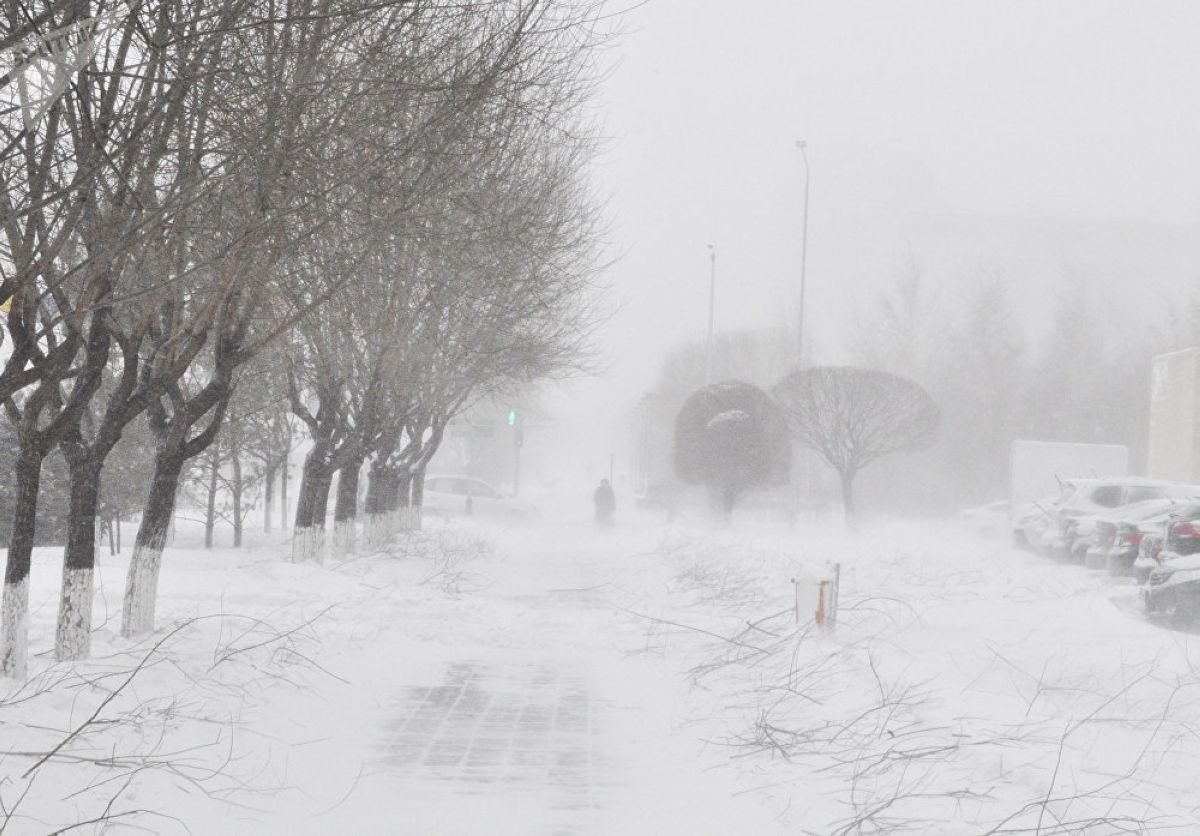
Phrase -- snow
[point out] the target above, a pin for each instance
(730, 416)
(554, 678)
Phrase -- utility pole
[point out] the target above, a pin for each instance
(805, 461)
(712, 297)
(803, 146)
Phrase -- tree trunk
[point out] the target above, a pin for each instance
(399, 500)
(308, 541)
(74, 636)
(373, 523)
(345, 510)
(395, 491)
(210, 514)
(283, 494)
(14, 621)
(848, 500)
(141, 583)
(415, 488)
(269, 493)
(236, 460)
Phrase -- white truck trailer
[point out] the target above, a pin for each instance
(1174, 452)
(1035, 467)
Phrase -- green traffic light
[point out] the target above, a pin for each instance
(512, 417)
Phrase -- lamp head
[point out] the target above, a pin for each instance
(801, 144)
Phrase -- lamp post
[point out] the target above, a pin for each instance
(805, 462)
(712, 295)
(803, 146)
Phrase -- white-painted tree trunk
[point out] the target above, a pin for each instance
(410, 518)
(375, 535)
(74, 639)
(141, 591)
(345, 538)
(308, 545)
(14, 624)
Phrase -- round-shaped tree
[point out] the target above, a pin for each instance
(731, 437)
(851, 416)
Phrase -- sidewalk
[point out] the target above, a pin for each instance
(537, 716)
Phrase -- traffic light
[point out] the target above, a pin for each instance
(512, 417)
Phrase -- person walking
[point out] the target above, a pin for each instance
(606, 504)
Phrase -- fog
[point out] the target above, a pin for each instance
(324, 329)
(1023, 140)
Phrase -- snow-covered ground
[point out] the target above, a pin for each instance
(553, 678)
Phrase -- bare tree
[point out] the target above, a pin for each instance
(301, 91)
(851, 416)
(489, 285)
(112, 143)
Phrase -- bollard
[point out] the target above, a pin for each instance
(820, 616)
(835, 592)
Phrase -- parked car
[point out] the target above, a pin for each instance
(1083, 500)
(1117, 535)
(1147, 557)
(468, 496)
(989, 520)
(1129, 544)
(1174, 587)
(1173, 584)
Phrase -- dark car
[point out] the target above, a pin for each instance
(1136, 540)
(1173, 585)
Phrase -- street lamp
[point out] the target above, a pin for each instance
(805, 461)
(712, 295)
(803, 146)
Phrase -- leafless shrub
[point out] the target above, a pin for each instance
(862, 722)
(182, 731)
(449, 557)
(725, 573)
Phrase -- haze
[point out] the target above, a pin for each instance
(1026, 138)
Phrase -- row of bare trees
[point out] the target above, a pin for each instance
(374, 211)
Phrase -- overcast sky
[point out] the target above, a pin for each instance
(912, 109)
